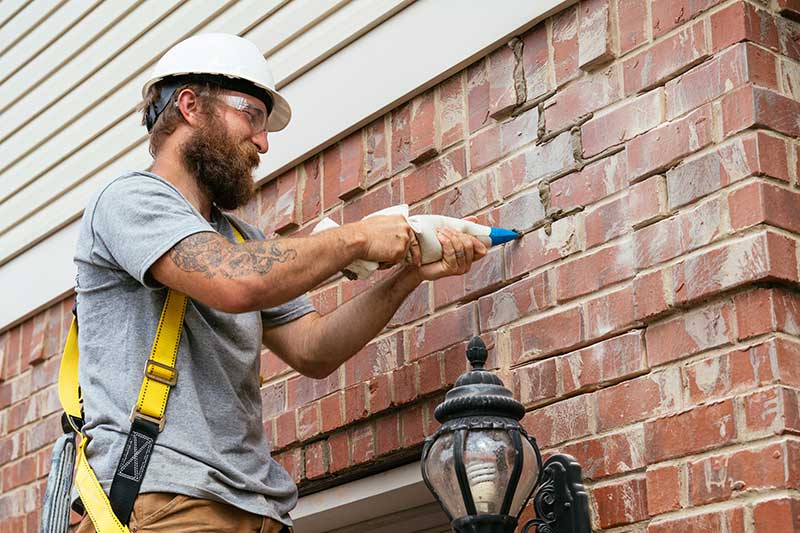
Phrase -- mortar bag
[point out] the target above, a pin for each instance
(55, 513)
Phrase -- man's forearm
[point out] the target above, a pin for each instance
(359, 320)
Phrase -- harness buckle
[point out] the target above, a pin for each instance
(135, 413)
(149, 373)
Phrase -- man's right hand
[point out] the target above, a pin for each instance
(388, 239)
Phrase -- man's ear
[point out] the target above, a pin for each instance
(189, 106)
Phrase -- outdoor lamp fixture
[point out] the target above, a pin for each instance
(483, 467)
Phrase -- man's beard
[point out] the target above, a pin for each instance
(222, 166)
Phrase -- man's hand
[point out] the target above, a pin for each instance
(459, 250)
(388, 240)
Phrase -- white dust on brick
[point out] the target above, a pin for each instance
(707, 327)
(385, 349)
(504, 309)
(449, 174)
(708, 375)
(703, 225)
(715, 474)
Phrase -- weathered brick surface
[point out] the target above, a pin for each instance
(649, 317)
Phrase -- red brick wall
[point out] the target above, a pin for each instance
(649, 319)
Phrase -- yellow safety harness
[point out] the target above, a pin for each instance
(160, 375)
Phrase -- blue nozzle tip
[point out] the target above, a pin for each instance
(500, 235)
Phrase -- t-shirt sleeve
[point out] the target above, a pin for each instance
(138, 219)
(291, 310)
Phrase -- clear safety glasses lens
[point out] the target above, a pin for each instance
(255, 115)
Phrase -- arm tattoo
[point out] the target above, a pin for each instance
(207, 254)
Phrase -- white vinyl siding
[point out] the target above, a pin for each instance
(71, 72)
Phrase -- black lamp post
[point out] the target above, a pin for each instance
(483, 467)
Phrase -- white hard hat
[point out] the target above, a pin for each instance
(225, 57)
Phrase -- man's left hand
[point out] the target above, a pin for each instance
(459, 251)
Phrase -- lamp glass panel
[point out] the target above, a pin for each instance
(527, 479)
(441, 471)
(489, 460)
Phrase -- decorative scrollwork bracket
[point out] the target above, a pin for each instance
(561, 501)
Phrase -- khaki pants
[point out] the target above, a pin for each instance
(158, 512)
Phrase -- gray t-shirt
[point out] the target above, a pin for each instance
(213, 445)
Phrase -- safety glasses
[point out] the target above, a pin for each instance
(255, 115)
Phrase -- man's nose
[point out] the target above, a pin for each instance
(261, 142)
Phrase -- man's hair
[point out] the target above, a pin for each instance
(171, 117)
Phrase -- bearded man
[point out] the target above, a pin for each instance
(203, 463)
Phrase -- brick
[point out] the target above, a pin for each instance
(272, 366)
(442, 331)
(488, 146)
(782, 514)
(565, 45)
(762, 202)
(376, 156)
(412, 426)
(401, 138)
(665, 60)
(500, 66)
(790, 78)
(429, 374)
(728, 520)
(721, 477)
(664, 488)
(484, 276)
(742, 21)
(608, 221)
(522, 213)
(308, 421)
(772, 411)
(789, 37)
(634, 117)
(326, 300)
(647, 201)
(331, 412)
(602, 363)
(750, 106)
(404, 384)
(712, 426)
(651, 296)
(724, 374)
(468, 196)
(285, 429)
(423, 128)
(547, 423)
(690, 333)
(623, 502)
(52, 333)
(477, 96)
(273, 399)
(594, 271)
(554, 157)
(343, 169)
(33, 340)
(763, 256)
(451, 112)
(609, 455)
(765, 310)
(609, 313)
(740, 64)
(518, 300)
(355, 403)
(380, 393)
(661, 147)
(558, 332)
(585, 95)
(387, 434)
(339, 450)
(594, 34)
(415, 306)
(632, 23)
(371, 201)
(18, 473)
(669, 14)
(542, 247)
(22, 413)
(435, 176)
(638, 399)
(536, 382)
(292, 461)
(595, 182)
(362, 444)
(316, 460)
(302, 390)
(756, 154)
(535, 62)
